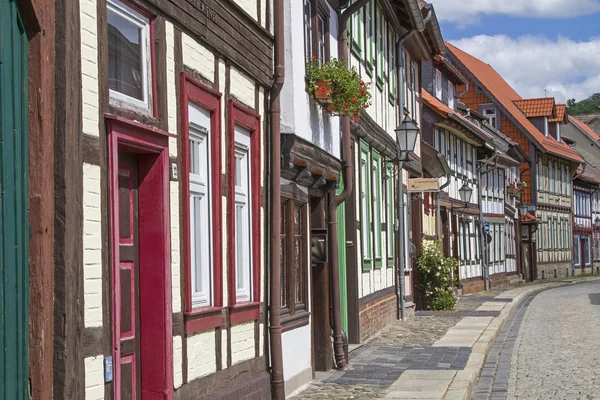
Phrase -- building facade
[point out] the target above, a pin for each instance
(173, 208)
(553, 163)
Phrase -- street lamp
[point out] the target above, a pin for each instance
(465, 193)
(406, 139)
(523, 209)
(406, 135)
(597, 222)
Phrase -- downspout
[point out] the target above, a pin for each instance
(439, 212)
(483, 241)
(400, 195)
(335, 201)
(277, 379)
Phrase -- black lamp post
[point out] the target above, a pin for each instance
(406, 139)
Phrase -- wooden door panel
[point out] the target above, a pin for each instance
(128, 310)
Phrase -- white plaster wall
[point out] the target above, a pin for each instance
(305, 118)
(177, 362)
(89, 67)
(171, 88)
(198, 57)
(242, 87)
(175, 252)
(92, 246)
(201, 355)
(94, 378)
(297, 351)
(250, 6)
(242, 342)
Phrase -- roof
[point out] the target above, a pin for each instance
(585, 129)
(532, 108)
(529, 218)
(590, 174)
(504, 94)
(587, 118)
(561, 114)
(445, 111)
(449, 70)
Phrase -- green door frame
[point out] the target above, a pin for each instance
(14, 206)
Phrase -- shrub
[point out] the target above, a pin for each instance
(435, 272)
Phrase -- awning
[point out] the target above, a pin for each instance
(434, 163)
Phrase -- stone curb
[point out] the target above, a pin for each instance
(462, 384)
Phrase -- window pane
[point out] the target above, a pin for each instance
(126, 51)
(283, 257)
(299, 254)
(307, 30)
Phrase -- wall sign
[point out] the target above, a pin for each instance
(424, 185)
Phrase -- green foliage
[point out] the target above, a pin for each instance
(591, 105)
(435, 273)
(349, 94)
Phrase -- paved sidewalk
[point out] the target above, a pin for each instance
(434, 355)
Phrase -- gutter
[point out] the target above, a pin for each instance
(335, 201)
(276, 346)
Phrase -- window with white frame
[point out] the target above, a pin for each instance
(200, 206)
(243, 215)
(558, 131)
(438, 84)
(490, 114)
(413, 88)
(129, 57)
(577, 252)
(450, 95)
(376, 196)
(308, 30)
(546, 126)
(364, 205)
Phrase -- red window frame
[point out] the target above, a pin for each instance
(202, 318)
(152, 19)
(248, 119)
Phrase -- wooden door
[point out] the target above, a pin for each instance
(14, 216)
(127, 342)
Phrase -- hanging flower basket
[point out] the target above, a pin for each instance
(513, 189)
(339, 90)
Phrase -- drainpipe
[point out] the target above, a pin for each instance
(483, 241)
(277, 380)
(400, 194)
(439, 213)
(335, 201)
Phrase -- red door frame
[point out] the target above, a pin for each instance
(154, 247)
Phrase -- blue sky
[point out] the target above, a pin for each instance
(538, 46)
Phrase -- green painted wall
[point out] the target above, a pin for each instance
(14, 219)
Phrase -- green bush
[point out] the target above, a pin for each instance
(435, 272)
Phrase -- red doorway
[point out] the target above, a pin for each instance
(140, 243)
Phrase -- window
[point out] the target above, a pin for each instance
(404, 77)
(587, 251)
(200, 205)
(490, 114)
(201, 209)
(243, 215)
(391, 64)
(438, 84)
(316, 30)
(380, 40)
(308, 29)
(356, 30)
(413, 88)
(450, 95)
(365, 205)
(376, 201)
(129, 57)
(370, 39)
(294, 258)
(577, 251)
(244, 209)
(546, 126)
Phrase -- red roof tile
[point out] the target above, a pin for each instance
(585, 128)
(561, 114)
(445, 111)
(532, 108)
(504, 94)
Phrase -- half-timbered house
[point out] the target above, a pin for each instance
(553, 163)
(174, 100)
(586, 185)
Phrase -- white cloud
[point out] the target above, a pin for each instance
(467, 12)
(532, 64)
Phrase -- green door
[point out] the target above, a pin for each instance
(14, 219)
(341, 232)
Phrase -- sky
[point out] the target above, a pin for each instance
(540, 47)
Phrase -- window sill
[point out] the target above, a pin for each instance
(298, 320)
(202, 319)
(244, 312)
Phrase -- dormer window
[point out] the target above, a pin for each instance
(558, 131)
(546, 126)
(490, 114)
(450, 95)
(438, 84)
(129, 57)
